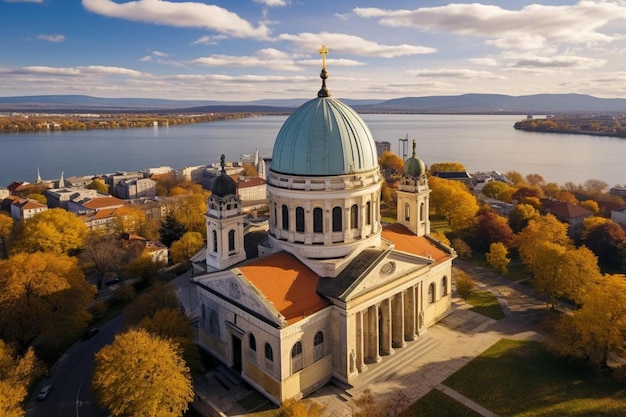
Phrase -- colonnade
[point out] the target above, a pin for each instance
(388, 325)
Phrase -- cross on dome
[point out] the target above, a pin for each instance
(324, 74)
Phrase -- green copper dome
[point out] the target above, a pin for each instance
(413, 166)
(324, 137)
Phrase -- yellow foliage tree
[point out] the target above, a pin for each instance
(6, 226)
(446, 167)
(186, 247)
(130, 219)
(141, 374)
(580, 271)
(590, 205)
(543, 228)
(159, 297)
(454, 201)
(598, 329)
(391, 161)
(301, 408)
(498, 257)
(189, 211)
(42, 294)
(547, 270)
(16, 374)
(55, 230)
(590, 223)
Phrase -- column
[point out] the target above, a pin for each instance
(385, 331)
(409, 314)
(372, 334)
(398, 320)
(360, 339)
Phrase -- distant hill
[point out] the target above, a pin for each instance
(466, 103)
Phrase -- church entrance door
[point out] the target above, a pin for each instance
(236, 354)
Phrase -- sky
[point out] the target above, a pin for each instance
(243, 50)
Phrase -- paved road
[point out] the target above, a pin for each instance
(71, 379)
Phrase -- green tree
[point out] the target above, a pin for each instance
(141, 374)
(171, 230)
(187, 246)
(42, 294)
(55, 230)
(498, 257)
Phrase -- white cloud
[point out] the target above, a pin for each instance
(159, 53)
(24, 1)
(454, 73)
(265, 58)
(186, 14)
(208, 40)
(273, 3)
(349, 44)
(76, 71)
(146, 58)
(538, 24)
(487, 61)
(52, 38)
(557, 62)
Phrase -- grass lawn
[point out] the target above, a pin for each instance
(438, 404)
(485, 303)
(523, 379)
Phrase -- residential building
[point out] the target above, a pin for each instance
(24, 209)
(136, 188)
(60, 197)
(569, 213)
(88, 206)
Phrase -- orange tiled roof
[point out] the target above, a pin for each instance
(27, 204)
(103, 202)
(406, 241)
(287, 283)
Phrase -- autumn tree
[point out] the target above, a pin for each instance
(171, 230)
(598, 329)
(464, 284)
(386, 195)
(55, 230)
(516, 178)
(579, 271)
(446, 167)
(187, 246)
(300, 408)
(550, 189)
(249, 170)
(190, 211)
(391, 161)
(42, 294)
(6, 227)
(489, 228)
(144, 267)
(454, 201)
(535, 180)
(130, 219)
(159, 297)
(604, 240)
(461, 247)
(371, 406)
(498, 190)
(566, 197)
(141, 374)
(590, 205)
(594, 186)
(520, 215)
(547, 271)
(17, 372)
(103, 254)
(98, 185)
(497, 257)
(541, 229)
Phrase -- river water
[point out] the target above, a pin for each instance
(480, 142)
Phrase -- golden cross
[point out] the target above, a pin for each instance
(323, 52)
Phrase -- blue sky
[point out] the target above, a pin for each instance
(243, 50)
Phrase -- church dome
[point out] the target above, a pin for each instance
(324, 137)
(414, 167)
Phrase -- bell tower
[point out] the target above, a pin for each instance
(413, 196)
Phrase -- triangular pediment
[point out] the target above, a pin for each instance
(231, 286)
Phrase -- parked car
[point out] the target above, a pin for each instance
(90, 333)
(45, 391)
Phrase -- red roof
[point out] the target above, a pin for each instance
(103, 202)
(406, 241)
(251, 182)
(26, 204)
(287, 283)
(566, 211)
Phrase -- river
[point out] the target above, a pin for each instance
(480, 142)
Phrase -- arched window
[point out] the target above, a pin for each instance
(407, 212)
(354, 217)
(318, 220)
(214, 241)
(214, 324)
(444, 286)
(285, 213)
(252, 342)
(368, 213)
(231, 240)
(318, 346)
(296, 357)
(299, 219)
(269, 355)
(422, 212)
(431, 293)
(337, 219)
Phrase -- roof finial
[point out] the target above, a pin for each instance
(324, 74)
(414, 146)
(223, 163)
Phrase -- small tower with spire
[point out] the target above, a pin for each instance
(224, 223)
(413, 196)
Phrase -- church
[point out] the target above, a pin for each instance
(332, 289)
